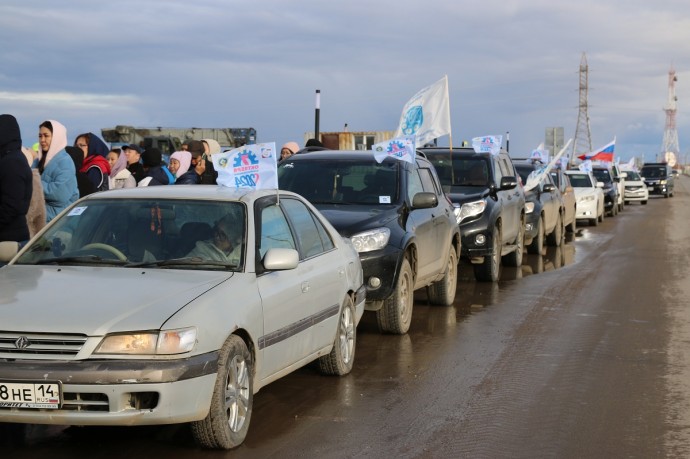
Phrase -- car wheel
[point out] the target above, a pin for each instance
(537, 245)
(627, 203)
(602, 216)
(489, 269)
(572, 227)
(396, 314)
(442, 292)
(644, 203)
(514, 258)
(341, 358)
(227, 422)
(556, 237)
(594, 221)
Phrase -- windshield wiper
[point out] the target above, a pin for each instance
(187, 261)
(91, 259)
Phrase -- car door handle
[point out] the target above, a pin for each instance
(305, 287)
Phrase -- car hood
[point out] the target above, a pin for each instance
(634, 183)
(353, 219)
(96, 301)
(468, 194)
(579, 192)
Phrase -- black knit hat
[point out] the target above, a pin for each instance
(151, 157)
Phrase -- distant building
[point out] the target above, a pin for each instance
(348, 140)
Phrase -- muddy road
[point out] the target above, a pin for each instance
(581, 352)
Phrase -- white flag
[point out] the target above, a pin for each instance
(250, 166)
(427, 114)
(487, 144)
(536, 175)
(402, 148)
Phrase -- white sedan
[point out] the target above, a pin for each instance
(164, 305)
(589, 196)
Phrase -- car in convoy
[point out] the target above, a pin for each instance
(490, 206)
(619, 181)
(560, 178)
(635, 188)
(398, 218)
(589, 196)
(604, 175)
(544, 207)
(658, 178)
(165, 305)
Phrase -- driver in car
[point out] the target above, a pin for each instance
(224, 246)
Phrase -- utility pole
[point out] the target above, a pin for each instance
(669, 147)
(317, 114)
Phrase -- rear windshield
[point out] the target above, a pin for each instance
(341, 181)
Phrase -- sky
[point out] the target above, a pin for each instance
(512, 66)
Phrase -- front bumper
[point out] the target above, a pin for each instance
(637, 194)
(657, 188)
(586, 210)
(118, 392)
(531, 226)
(380, 268)
(477, 237)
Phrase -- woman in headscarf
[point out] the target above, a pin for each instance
(120, 176)
(58, 175)
(15, 183)
(95, 164)
(180, 161)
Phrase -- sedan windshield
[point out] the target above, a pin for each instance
(580, 180)
(633, 176)
(341, 181)
(145, 232)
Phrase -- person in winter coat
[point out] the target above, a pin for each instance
(180, 161)
(120, 176)
(133, 154)
(224, 246)
(36, 217)
(84, 184)
(15, 183)
(95, 164)
(58, 175)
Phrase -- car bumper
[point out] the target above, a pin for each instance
(641, 194)
(586, 210)
(531, 226)
(380, 268)
(477, 239)
(118, 392)
(657, 189)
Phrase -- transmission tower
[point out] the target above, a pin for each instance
(670, 144)
(583, 136)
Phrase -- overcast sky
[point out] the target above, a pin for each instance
(512, 65)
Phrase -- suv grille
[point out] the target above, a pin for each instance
(18, 345)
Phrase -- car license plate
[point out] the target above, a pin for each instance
(26, 394)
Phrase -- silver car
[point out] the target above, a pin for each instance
(173, 304)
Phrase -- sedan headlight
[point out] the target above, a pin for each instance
(529, 207)
(371, 240)
(586, 198)
(165, 342)
(471, 209)
(662, 182)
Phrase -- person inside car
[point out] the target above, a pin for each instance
(225, 244)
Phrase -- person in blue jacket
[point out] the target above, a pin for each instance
(58, 175)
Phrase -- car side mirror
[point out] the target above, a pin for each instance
(280, 259)
(424, 200)
(600, 184)
(624, 175)
(508, 182)
(548, 188)
(8, 249)
(569, 189)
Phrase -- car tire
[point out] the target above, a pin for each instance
(594, 221)
(537, 245)
(514, 258)
(227, 422)
(442, 292)
(396, 314)
(627, 203)
(489, 269)
(341, 358)
(556, 237)
(644, 203)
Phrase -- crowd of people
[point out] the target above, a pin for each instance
(37, 183)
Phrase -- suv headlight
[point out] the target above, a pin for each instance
(471, 209)
(371, 240)
(164, 342)
(529, 207)
(662, 182)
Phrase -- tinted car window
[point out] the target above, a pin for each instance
(313, 238)
(460, 172)
(414, 184)
(428, 180)
(654, 171)
(275, 231)
(602, 175)
(580, 180)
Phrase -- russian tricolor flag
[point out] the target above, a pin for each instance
(603, 154)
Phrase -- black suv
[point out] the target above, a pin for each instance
(544, 209)
(658, 178)
(490, 206)
(603, 174)
(396, 215)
